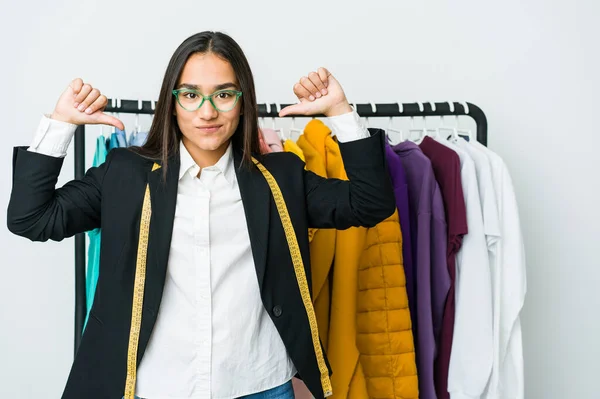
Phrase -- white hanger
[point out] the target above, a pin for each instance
(138, 128)
(117, 114)
(434, 132)
(464, 132)
(420, 131)
(451, 129)
(390, 127)
(294, 129)
(355, 105)
(374, 110)
(261, 120)
(412, 126)
(279, 130)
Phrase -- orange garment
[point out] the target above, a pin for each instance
(370, 343)
(290, 146)
(300, 389)
(322, 244)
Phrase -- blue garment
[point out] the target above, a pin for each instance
(285, 391)
(118, 139)
(138, 139)
(93, 268)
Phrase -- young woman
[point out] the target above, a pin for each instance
(204, 288)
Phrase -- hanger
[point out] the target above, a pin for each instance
(294, 129)
(355, 105)
(412, 126)
(279, 130)
(374, 110)
(464, 132)
(390, 127)
(434, 132)
(261, 120)
(137, 127)
(451, 129)
(117, 114)
(421, 132)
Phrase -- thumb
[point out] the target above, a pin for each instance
(105, 119)
(294, 109)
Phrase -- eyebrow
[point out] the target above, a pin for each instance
(217, 87)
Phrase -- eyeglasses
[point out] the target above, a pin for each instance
(222, 100)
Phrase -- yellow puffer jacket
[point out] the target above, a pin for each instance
(370, 345)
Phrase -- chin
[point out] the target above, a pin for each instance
(210, 144)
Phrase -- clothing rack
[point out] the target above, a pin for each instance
(270, 110)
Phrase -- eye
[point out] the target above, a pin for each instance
(224, 94)
(190, 94)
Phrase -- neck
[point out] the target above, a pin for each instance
(205, 158)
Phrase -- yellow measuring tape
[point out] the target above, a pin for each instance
(138, 294)
(140, 278)
(290, 234)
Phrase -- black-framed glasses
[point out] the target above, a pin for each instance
(222, 100)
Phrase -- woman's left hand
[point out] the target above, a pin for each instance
(319, 93)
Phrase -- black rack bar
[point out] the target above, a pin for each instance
(147, 107)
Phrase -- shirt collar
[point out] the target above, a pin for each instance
(224, 164)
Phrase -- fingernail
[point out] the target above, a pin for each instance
(311, 98)
(88, 111)
(81, 107)
(76, 105)
(324, 91)
(318, 94)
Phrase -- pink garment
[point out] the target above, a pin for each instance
(273, 140)
(300, 390)
(264, 147)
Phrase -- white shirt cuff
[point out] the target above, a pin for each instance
(52, 137)
(347, 127)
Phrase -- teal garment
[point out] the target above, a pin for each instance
(118, 139)
(93, 267)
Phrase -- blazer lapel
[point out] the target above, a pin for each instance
(256, 197)
(163, 197)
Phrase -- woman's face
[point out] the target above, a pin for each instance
(206, 131)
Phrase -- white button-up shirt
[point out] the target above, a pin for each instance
(212, 333)
(213, 337)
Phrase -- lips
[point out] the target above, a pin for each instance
(209, 128)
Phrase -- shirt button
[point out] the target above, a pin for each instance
(277, 311)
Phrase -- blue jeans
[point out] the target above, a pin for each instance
(285, 391)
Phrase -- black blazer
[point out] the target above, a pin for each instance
(110, 196)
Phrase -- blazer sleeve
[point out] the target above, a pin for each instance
(39, 211)
(365, 199)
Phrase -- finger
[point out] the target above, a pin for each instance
(324, 75)
(315, 78)
(76, 85)
(301, 92)
(89, 100)
(97, 105)
(83, 93)
(294, 109)
(105, 119)
(308, 85)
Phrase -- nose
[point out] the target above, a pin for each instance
(207, 111)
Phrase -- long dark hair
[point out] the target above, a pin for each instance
(164, 135)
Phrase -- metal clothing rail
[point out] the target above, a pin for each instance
(270, 110)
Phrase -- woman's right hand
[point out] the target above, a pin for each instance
(81, 104)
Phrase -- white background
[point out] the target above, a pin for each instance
(533, 67)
